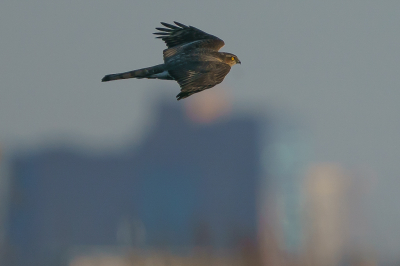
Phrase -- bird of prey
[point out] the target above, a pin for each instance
(192, 59)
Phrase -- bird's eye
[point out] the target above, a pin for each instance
(232, 58)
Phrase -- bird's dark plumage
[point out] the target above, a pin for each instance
(192, 59)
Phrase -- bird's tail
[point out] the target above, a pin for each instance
(147, 72)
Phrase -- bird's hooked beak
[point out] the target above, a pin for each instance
(238, 62)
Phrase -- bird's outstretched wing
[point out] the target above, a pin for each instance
(181, 34)
(194, 77)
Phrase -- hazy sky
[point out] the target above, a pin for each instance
(333, 64)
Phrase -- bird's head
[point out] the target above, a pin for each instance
(231, 59)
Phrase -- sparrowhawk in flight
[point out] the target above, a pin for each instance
(192, 59)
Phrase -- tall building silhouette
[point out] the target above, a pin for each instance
(185, 185)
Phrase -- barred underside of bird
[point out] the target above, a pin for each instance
(192, 59)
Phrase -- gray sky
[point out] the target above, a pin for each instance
(334, 64)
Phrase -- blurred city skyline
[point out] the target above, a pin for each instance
(334, 66)
(202, 179)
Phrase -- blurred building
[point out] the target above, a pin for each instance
(335, 220)
(326, 187)
(198, 181)
(187, 184)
